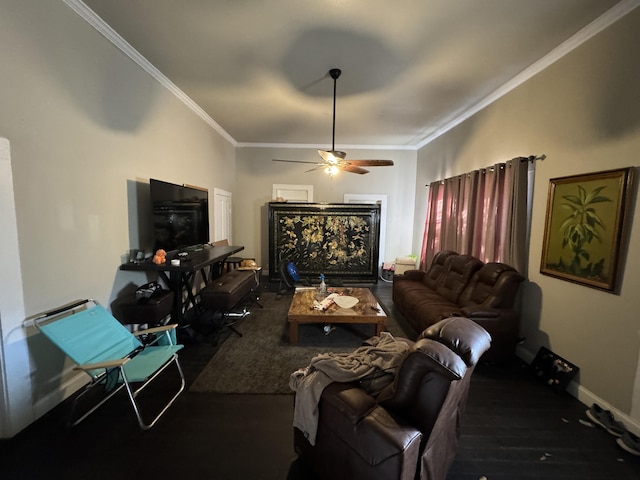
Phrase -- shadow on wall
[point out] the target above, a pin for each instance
(118, 95)
(531, 310)
(49, 368)
(618, 90)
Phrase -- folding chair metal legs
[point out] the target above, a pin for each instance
(134, 393)
(131, 393)
(86, 390)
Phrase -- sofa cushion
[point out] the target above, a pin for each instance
(436, 269)
(433, 310)
(413, 292)
(493, 286)
(458, 271)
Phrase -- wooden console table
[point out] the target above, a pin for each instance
(179, 278)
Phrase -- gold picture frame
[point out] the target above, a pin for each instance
(586, 228)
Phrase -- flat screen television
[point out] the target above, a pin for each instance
(180, 216)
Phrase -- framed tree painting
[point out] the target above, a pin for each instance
(585, 228)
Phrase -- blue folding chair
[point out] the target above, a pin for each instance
(111, 355)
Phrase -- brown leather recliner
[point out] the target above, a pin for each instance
(411, 429)
(488, 300)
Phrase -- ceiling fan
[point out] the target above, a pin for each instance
(334, 160)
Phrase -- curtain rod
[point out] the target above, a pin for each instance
(530, 158)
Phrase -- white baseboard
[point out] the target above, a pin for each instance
(586, 396)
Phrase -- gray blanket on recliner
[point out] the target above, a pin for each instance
(374, 365)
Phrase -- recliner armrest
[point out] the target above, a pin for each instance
(366, 428)
(352, 402)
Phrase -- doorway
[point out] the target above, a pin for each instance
(222, 225)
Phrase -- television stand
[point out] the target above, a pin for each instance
(179, 278)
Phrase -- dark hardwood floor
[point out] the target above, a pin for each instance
(515, 427)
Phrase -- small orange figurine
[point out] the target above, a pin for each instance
(160, 257)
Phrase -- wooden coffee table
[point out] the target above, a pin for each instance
(367, 310)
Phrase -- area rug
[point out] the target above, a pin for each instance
(261, 361)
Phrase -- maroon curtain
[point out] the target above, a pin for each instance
(483, 213)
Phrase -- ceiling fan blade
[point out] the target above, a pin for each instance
(353, 169)
(293, 161)
(371, 163)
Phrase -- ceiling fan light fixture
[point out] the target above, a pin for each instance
(331, 170)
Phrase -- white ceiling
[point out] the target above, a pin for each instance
(410, 67)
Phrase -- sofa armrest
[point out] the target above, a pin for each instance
(480, 311)
(413, 275)
(490, 315)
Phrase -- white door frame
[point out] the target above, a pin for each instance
(292, 193)
(222, 221)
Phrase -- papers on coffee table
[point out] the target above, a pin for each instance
(326, 303)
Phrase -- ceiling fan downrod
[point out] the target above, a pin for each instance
(335, 74)
(333, 160)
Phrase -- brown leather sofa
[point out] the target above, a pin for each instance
(411, 429)
(462, 285)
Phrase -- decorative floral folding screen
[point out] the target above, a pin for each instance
(339, 240)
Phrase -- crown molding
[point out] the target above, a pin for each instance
(605, 20)
(110, 34)
(315, 146)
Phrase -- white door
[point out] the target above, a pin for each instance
(380, 199)
(292, 193)
(221, 215)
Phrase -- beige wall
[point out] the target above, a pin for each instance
(582, 112)
(87, 129)
(257, 172)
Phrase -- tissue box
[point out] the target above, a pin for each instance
(403, 264)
